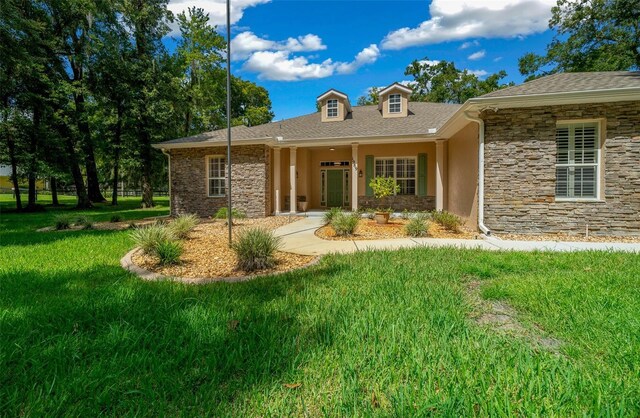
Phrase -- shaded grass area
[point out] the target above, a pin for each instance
(383, 333)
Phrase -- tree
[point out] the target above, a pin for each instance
(147, 22)
(372, 97)
(443, 82)
(591, 35)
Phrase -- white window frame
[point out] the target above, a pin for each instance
(331, 107)
(572, 124)
(392, 102)
(395, 170)
(208, 176)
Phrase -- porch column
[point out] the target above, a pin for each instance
(293, 191)
(354, 177)
(276, 180)
(440, 175)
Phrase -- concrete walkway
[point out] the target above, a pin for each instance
(298, 237)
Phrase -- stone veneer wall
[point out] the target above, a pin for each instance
(398, 203)
(520, 178)
(249, 175)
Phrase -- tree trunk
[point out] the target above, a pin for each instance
(14, 170)
(147, 189)
(53, 183)
(117, 139)
(74, 167)
(32, 167)
(93, 184)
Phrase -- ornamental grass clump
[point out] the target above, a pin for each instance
(84, 222)
(330, 214)
(255, 249)
(182, 225)
(447, 220)
(222, 214)
(149, 237)
(62, 221)
(345, 224)
(169, 252)
(417, 227)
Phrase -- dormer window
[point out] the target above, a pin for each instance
(332, 108)
(395, 103)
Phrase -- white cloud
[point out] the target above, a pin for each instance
(469, 44)
(217, 9)
(430, 62)
(369, 55)
(463, 19)
(477, 55)
(478, 73)
(281, 66)
(246, 43)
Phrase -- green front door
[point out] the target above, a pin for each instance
(334, 188)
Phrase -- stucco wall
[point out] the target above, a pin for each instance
(520, 155)
(250, 181)
(462, 185)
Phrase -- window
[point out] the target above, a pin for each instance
(215, 176)
(332, 108)
(395, 103)
(402, 169)
(577, 160)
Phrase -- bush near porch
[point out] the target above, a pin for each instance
(373, 333)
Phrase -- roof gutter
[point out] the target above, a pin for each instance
(480, 123)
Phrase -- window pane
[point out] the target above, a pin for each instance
(562, 181)
(562, 143)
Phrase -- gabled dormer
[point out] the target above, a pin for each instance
(394, 101)
(334, 106)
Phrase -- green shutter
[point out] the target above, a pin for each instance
(368, 174)
(422, 174)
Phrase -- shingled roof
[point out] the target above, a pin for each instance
(363, 121)
(572, 82)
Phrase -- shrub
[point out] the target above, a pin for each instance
(84, 222)
(182, 225)
(222, 214)
(255, 249)
(115, 218)
(405, 214)
(384, 187)
(345, 224)
(448, 220)
(330, 214)
(417, 227)
(169, 252)
(62, 221)
(151, 236)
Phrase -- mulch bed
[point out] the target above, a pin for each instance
(207, 254)
(567, 238)
(368, 229)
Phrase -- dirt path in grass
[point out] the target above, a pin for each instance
(501, 317)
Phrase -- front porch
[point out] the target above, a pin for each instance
(314, 179)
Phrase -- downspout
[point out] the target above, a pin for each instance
(480, 123)
(165, 152)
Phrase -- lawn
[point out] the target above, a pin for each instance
(382, 333)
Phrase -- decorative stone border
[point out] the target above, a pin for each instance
(127, 263)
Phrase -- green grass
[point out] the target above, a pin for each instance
(383, 333)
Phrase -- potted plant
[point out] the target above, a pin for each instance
(383, 187)
(303, 205)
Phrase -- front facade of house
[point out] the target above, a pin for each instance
(558, 154)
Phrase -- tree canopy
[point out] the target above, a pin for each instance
(442, 82)
(590, 35)
(87, 86)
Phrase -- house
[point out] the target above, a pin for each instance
(559, 154)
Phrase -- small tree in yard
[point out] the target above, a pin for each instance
(383, 187)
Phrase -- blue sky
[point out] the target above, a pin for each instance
(298, 49)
